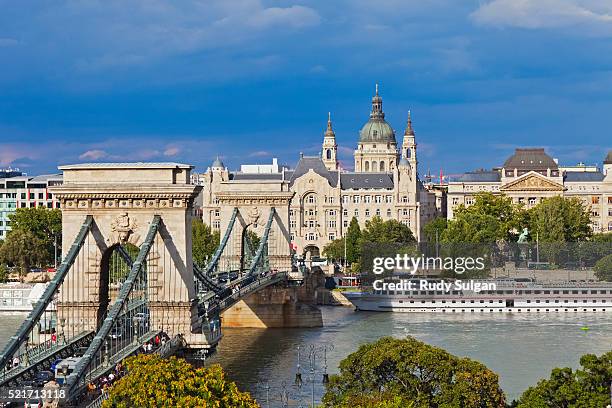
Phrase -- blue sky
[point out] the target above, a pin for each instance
(162, 80)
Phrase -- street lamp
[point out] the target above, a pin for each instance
(65, 372)
(314, 351)
(63, 323)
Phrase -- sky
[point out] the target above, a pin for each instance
(248, 80)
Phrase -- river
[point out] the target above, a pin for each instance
(520, 348)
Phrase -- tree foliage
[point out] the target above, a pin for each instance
(42, 223)
(155, 382)
(353, 241)
(23, 249)
(603, 268)
(490, 218)
(559, 219)
(382, 232)
(335, 249)
(435, 228)
(587, 387)
(413, 373)
(204, 242)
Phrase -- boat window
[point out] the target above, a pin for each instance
(565, 292)
(536, 292)
(574, 292)
(603, 292)
(555, 292)
(547, 292)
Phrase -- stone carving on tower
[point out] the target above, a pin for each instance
(123, 229)
(329, 153)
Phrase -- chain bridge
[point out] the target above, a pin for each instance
(127, 277)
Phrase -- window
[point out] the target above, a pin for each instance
(378, 212)
(331, 200)
(332, 213)
(455, 200)
(388, 199)
(32, 196)
(23, 196)
(610, 200)
(378, 199)
(331, 224)
(41, 196)
(367, 199)
(216, 213)
(367, 212)
(345, 212)
(405, 212)
(311, 236)
(291, 213)
(404, 199)
(331, 236)
(292, 224)
(345, 223)
(345, 199)
(49, 204)
(311, 199)
(469, 200)
(389, 213)
(356, 214)
(595, 200)
(356, 199)
(216, 225)
(311, 224)
(532, 200)
(610, 226)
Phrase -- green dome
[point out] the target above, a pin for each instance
(377, 130)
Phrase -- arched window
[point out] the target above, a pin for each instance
(328, 154)
(408, 153)
(374, 166)
(367, 166)
(382, 166)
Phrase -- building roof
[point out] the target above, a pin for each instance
(608, 159)
(256, 176)
(586, 176)
(315, 163)
(141, 165)
(43, 178)
(376, 128)
(218, 163)
(480, 176)
(366, 180)
(530, 159)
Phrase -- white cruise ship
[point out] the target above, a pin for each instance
(21, 297)
(509, 296)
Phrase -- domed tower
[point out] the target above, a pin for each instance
(329, 154)
(377, 147)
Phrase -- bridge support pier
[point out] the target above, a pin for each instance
(276, 306)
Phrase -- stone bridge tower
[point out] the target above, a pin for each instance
(123, 198)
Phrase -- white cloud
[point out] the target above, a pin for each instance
(8, 42)
(171, 151)
(294, 16)
(95, 154)
(533, 14)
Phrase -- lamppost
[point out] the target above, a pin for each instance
(314, 351)
(63, 323)
(65, 372)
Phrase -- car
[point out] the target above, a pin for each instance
(43, 377)
(117, 332)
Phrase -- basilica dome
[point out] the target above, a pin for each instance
(377, 129)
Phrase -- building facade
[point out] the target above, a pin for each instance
(385, 183)
(22, 191)
(530, 175)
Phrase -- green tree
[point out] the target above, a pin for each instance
(587, 387)
(44, 224)
(602, 237)
(415, 372)
(490, 218)
(353, 241)
(560, 219)
(435, 228)
(390, 231)
(4, 273)
(204, 242)
(155, 382)
(23, 249)
(335, 249)
(254, 239)
(603, 268)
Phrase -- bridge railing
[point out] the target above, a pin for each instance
(120, 318)
(41, 322)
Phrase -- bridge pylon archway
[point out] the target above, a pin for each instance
(123, 199)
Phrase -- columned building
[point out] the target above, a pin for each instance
(384, 183)
(531, 175)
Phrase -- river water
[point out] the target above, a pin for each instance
(520, 348)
